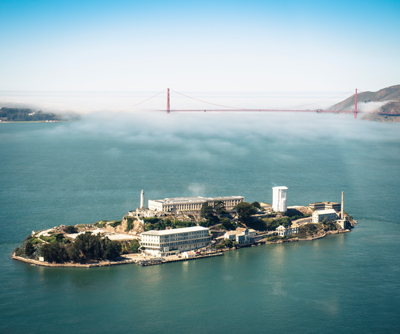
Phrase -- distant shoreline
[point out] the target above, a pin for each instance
(4, 122)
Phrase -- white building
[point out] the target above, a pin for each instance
(192, 203)
(283, 231)
(279, 195)
(319, 216)
(240, 235)
(167, 242)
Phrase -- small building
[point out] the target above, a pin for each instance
(189, 254)
(240, 235)
(326, 206)
(319, 216)
(252, 233)
(295, 228)
(284, 231)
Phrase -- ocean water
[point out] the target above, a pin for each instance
(81, 172)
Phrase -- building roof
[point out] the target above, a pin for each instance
(325, 212)
(330, 203)
(281, 227)
(176, 230)
(280, 187)
(233, 232)
(195, 199)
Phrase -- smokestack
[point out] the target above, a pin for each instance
(342, 213)
(142, 199)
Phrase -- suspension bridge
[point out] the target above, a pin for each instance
(213, 107)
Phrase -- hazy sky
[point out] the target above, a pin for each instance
(199, 46)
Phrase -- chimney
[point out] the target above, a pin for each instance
(142, 199)
(342, 213)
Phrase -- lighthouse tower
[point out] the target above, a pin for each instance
(142, 199)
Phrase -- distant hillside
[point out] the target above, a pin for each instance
(386, 94)
(387, 112)
(26, 115)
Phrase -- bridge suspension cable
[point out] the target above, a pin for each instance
(324, 100)
(214, 104)
(149, 98)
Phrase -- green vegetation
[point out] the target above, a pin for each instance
(226, 224)
(256, 205)
(245, 210)
(129, 223)
(35, 241)
(29, 249)
(206, 211)
(309, 230)
(115, 223)
(276, 237)
(226, 243)
(70, 229)
(269, 224)
(25, 114)
(55, 237)
(329, 226)
(273, 237)
(211, 214)
(100, 223)
(131, 246)
(86, 248)
(161, 224)
(296, 214)
(219, 208)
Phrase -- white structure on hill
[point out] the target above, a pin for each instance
(142, 199)
(321, 215)
(167, 242)
(192, 203)
(279, 196)
(283, 231)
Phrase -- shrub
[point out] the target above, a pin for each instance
(100, 223)
(129, 223)
(114, 224)
(70, 229)
(29, 249)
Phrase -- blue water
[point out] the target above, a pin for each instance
(81, 172)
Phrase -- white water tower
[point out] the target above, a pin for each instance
(279, 196)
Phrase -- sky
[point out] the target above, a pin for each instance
(199, 46)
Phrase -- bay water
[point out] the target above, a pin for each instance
(95, 168)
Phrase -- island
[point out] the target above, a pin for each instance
(181, 229)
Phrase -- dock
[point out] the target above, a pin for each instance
(157, 261)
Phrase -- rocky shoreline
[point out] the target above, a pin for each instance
(143, 261)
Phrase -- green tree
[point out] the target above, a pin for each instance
(70, 229)
(256, 205)
(112, 249)
(245, 210)
(206, 211)
(226, 243)
(219, 207)
(54, 252)
(134, 246)
(29, 249)
(227, 224)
